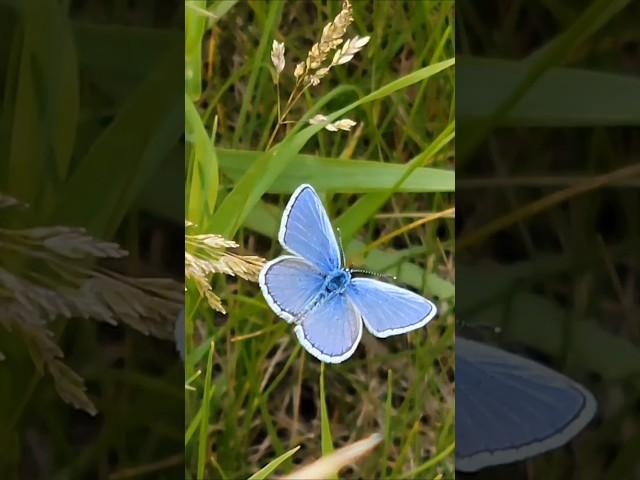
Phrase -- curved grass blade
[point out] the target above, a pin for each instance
(266, 471)
(341, 175)
(328, 466)
(204, 168)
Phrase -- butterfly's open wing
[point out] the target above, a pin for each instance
(388, 309)
(306, 231)
(509, 408)
(332, 330)
(289, 284)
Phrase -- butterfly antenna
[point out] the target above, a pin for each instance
(342, 257)
(375, 274)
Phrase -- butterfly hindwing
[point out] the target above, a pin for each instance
(511, 408)
(306, 230)
(332, 330)
(289, 284)
(388, 309)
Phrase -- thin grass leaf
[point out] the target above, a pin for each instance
(203, 451)
(269, 468)
(430, 463)
(265, 220)
(219, 8)
(195, 21)
(204, 180)
(325, 427)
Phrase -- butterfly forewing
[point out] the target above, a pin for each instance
(306, 230)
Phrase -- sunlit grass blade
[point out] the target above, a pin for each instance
(329, 465)
(204, 181)
(266, 471)
(341, 175)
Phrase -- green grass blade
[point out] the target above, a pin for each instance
(205, 167)
(341, 175)
(204, 417)
(325, 427)
(219, 8)
(266, 471)
(432, 462)
(195, 22)
(594, 99)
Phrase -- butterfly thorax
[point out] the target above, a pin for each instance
(336, 281)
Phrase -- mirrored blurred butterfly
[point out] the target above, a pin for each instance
(324, 300)
(509, 408)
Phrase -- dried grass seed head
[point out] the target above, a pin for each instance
(277, 56)
(330, 39)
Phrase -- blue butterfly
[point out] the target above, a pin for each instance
(313, 290)
(509, 408)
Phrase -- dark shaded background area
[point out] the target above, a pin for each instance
(91, 126)
(548, 208)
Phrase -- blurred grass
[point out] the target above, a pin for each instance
(267, 394)
(84, 122)
(547, 231)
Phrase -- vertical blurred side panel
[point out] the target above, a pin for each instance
(547, 223)
(91, 239)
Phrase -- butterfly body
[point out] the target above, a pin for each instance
(337, 281)
(314, 291)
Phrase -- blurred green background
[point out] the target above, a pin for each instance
(548, 207)
(90, 125)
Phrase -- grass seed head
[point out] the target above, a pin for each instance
(277, 56)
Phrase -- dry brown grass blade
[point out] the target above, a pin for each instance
(331, 464)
